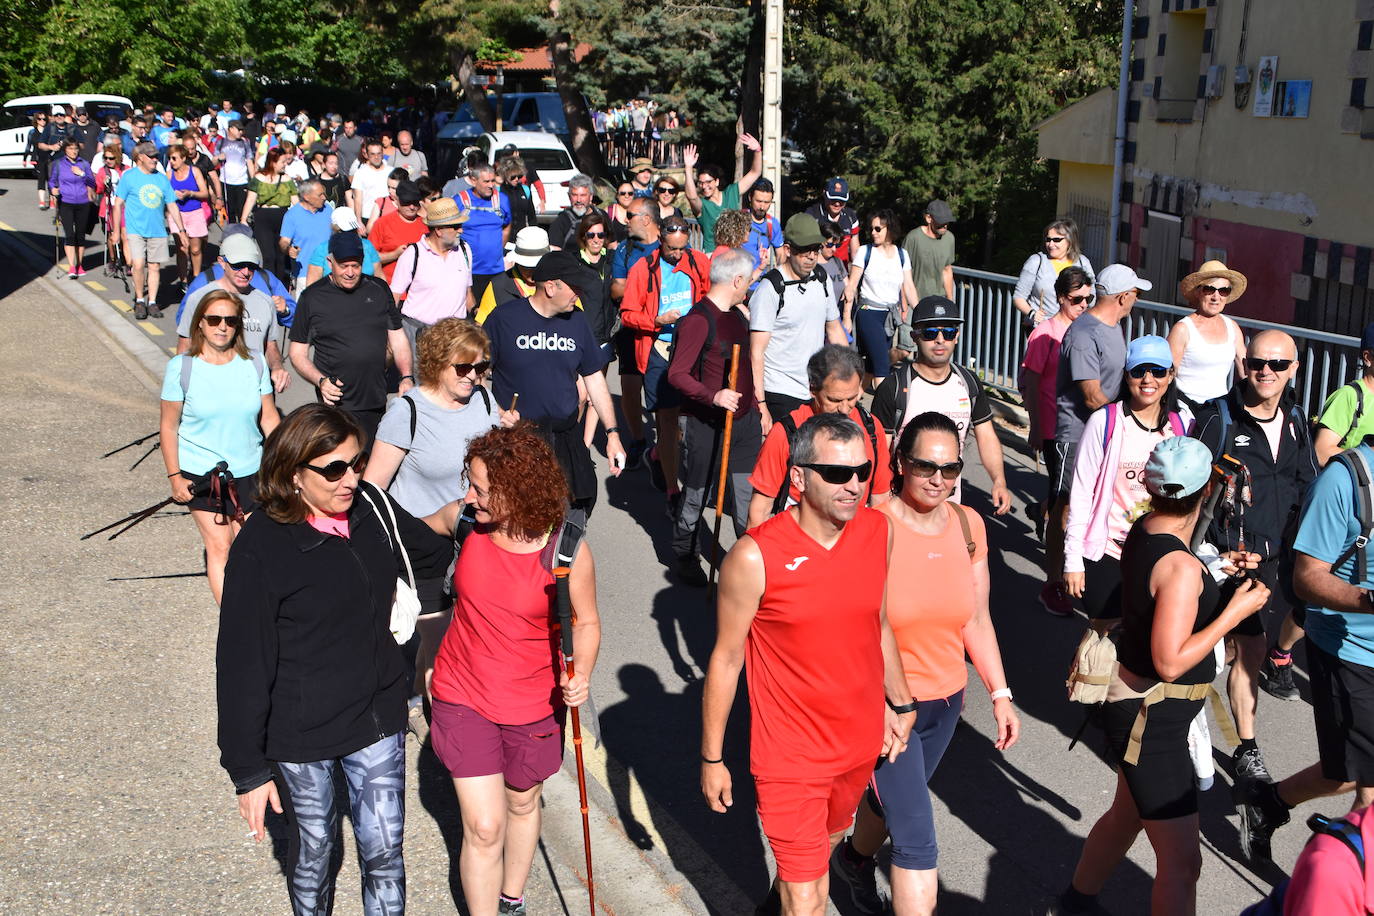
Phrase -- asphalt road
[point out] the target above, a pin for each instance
(107, 718)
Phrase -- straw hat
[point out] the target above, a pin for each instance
(444, 212)
(641, 164)
(1211, 270)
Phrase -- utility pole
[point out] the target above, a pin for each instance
(1123, 92)
(772, 99)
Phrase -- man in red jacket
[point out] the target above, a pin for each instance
(658, 291)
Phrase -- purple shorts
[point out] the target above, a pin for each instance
(468, 744)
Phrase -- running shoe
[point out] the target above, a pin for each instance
(859, 880)
(1248, 765)
(71, 275)
(1277, 679)
(656, 476)
(690, 572)
(80, 271)
(1258, 820)
(154, 310)
(507, 908)
(140, 309)
(1055, 600)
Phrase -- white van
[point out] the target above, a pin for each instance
(17, 119)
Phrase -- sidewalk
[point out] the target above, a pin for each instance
(116, 802)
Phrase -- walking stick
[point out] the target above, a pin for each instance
(724, 473)
(132, 519)
(139, 441)
(565, 625)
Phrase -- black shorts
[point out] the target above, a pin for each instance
(1343, 711)
(1163, 783)
(1102, 588)
(1061, 477)
(1269, 618)
(246, 488)
(624, 343)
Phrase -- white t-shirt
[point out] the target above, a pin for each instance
(370, 184)
(882, 278)
(796, 331)
(951, 398)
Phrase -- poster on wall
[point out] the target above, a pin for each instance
(1266, 79)
(1292, 98)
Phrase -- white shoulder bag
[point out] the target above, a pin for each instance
(405, 604)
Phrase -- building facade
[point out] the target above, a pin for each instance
(1250, 139)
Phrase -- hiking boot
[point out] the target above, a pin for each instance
(656, 476)
(1261, 813)
(1248, 766)
(1055, 600)
(859, 879)
(140, 309)
(1277, 679)
(507, 908)
(690, 572)
(154, 310)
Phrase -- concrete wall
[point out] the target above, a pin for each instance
(1077, 179)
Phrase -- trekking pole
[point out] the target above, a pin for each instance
(724, 473)
(132, 518)
(139, 441)
(565, 625)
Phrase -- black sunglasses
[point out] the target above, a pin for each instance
(1085, 299)
(213, 321)
(837, 474)
(666, 190)
(624, 193)
(832, 243)
(243, 265)
(464, 368)
(923, 469)
(932, 333)
(596, 235)
(1219, 290)
(1056, 239)
(1139, 372)
(335, 470)
(1255, 364)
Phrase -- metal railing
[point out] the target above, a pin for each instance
(996, 341)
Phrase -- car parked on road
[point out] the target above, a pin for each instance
(17, 118)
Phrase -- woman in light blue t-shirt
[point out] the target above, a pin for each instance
(217, 407)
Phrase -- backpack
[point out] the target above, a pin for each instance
(1358, 466)
(493, 207)
(905, 370)
(188, 360)
(868, 256)
(784, 489)
(1341, 829)
(780, 283)
(414, 249)
(561, 550)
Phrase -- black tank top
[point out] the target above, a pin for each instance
(1138, 558)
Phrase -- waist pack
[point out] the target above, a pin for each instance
(1093, 667)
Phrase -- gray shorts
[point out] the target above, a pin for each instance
(144, 248)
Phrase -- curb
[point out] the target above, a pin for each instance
(144, 358)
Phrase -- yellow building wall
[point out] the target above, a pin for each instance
(1077, 179)
(1301, 175)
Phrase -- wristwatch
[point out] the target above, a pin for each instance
(905, 707)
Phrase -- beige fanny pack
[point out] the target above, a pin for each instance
(1159, 691)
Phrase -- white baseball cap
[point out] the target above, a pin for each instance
(344, 219)
(1118, 278)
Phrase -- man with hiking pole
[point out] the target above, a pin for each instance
(802, 598)
(699, 369)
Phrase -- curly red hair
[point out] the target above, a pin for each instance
(527, 491)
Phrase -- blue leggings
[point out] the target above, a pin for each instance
(901, 786)
(377, 798)
(870, 332)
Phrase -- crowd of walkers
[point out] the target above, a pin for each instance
(386, 560)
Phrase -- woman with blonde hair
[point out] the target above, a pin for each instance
(217, 407)
(1208, 347)
(1034, 296)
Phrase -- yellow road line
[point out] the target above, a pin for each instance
(121, 305)
(95, 286)
(151, 328)
(6, 226)
(172, 350)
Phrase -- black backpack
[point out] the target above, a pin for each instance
(790, 427)
(410, 402)
(780, 283)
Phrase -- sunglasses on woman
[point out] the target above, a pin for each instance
(1055, 239)
(230, 321)
(1086, 299)
(596, 235)
(464, 368)
(921, 468)
(624, 193)
(1219, 290)
(667, 190)
(1158, 372)
(837, 474)
(1255, 364)
(334, 470)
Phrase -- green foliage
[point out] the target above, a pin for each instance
(496, 51)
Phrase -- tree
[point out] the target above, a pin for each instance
(466, 25)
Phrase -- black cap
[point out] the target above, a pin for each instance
(936, 308)
(346, 246)
(566, 266)
(407, 192)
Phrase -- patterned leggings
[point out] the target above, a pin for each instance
(376, 794)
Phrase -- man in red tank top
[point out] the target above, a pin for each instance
(802, 604)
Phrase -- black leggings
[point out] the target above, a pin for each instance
(76, 221)
(266, 230)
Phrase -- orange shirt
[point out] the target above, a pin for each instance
(929, 620)
(813, 656)
(771, 464)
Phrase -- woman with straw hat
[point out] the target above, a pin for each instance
(1208, 347)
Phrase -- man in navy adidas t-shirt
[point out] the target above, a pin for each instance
(540, 347)
(488, 227)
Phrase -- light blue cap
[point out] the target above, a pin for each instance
(1150, 350)
(1178, 467)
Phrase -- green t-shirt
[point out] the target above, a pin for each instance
(929, 258)
(1338, 414)
(710, 212)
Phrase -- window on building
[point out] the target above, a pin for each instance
(1182, 64)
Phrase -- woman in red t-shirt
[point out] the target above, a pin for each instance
(935, 625)
(499, 690)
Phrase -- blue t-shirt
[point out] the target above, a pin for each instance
(306, 230)
(765, 234)
(1328, 527)
(483, 230)
(541, 358)
(675, 293)
(628, 255)
(219, 414)
(145, 199)
(321, 257)
(262, 279)
(163, 135)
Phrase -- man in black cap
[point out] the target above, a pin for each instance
(540, 347)
(934, 380)
(350, 318)
(834, 208)
(930, 248)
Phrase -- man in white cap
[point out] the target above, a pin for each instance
(239, 259)
(342, 220)
(1092, 359)
(531, 244)
(433, 277)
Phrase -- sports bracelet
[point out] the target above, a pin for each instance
(998, 694)
(904, 708)
(705, 759)
(173, 474)
(613, 429)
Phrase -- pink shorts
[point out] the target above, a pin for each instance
(468, 744)
(800, 815)
(196, 225)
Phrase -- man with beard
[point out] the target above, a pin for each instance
(563, 230)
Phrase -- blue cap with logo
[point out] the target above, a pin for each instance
(1150, 350)
(837, 189)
